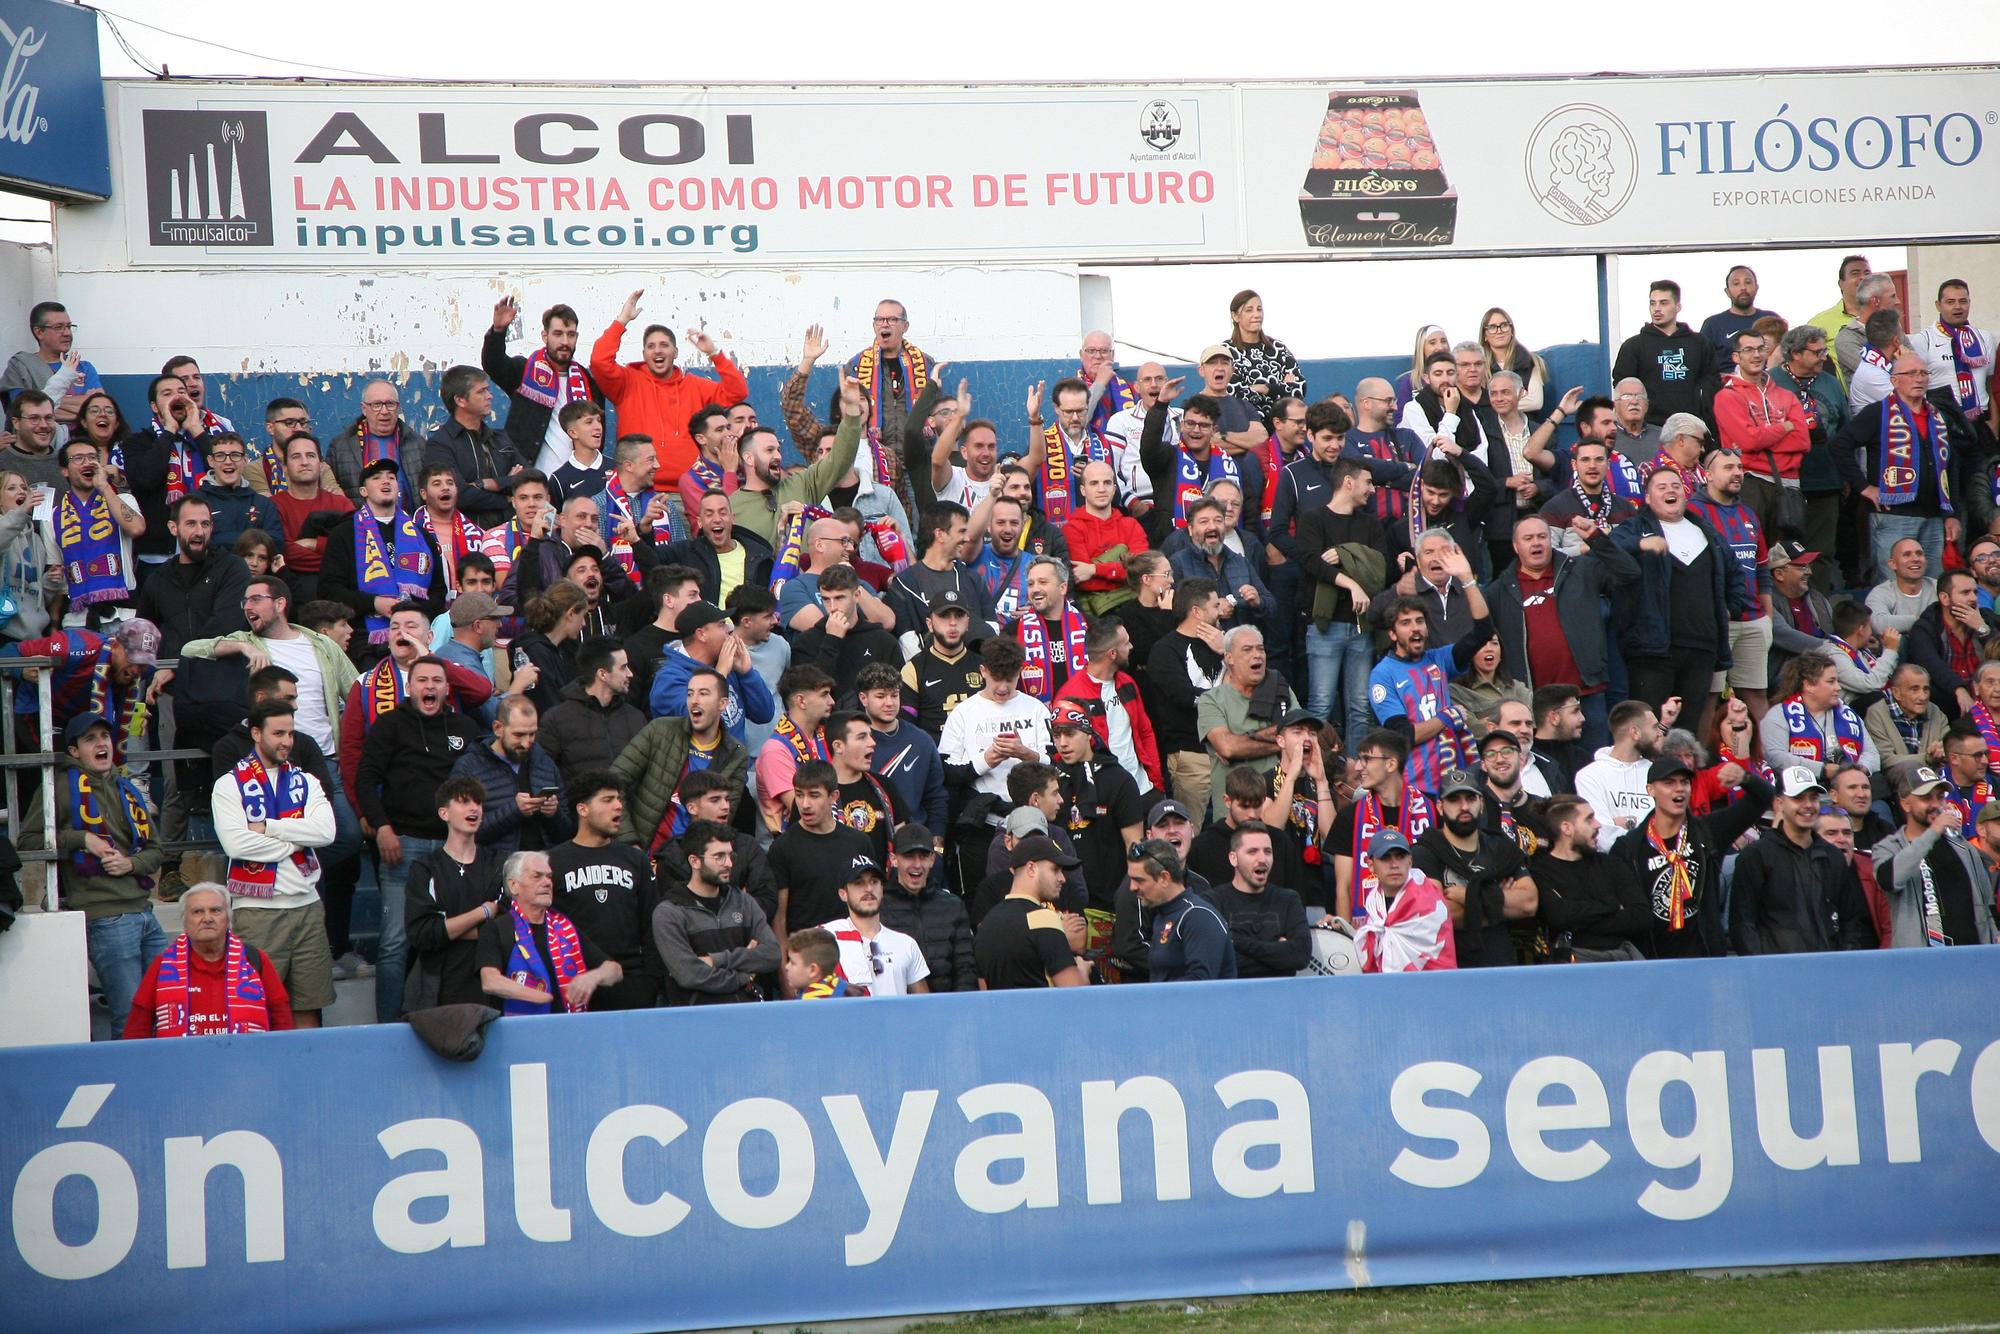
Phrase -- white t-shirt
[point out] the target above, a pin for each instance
(961, 489)
(555, 440)
(977, 722)
(1120, 728)
(296, 656)
(1869, 384)
(901, 959)
(1684, 540)
(1934, 346)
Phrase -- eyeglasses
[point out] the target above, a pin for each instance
(59, 328)
(294, 422)
(226, 456)
(1501, 748)
(1376, 757)
(250, 599)
(377, 407)
(1499, 325)
(1913, 370)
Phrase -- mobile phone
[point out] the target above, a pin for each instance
(545, 792)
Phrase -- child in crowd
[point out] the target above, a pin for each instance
(812, 965)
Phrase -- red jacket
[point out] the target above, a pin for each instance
(1752, 421)
(1087, 690)
(208, 997)
(1088, 536)
(648, 404)
(469, 690)
(293, 514)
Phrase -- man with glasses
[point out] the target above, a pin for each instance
(1382, 801)
(892, 373)
(1391, 453)
(1187, 940)
(828, 543)
(379, 432)
(1635, 437)
(235, 504)
(53, 352)
(1968, 775)
(1907, 471)
(1984, 562)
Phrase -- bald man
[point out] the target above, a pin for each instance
(1125, 427)
(828, 542)
(1391, 453)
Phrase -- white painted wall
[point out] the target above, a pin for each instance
(1978, 265)
(44, 981)
(27, 275)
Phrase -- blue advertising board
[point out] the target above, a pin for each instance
(51, 102)
(778, 1164)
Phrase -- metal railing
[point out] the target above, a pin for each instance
(48, 765)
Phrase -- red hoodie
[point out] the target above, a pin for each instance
(659, 406)
(1088, 536)
(1752, 421)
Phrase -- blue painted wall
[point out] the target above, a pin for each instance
(999, 389)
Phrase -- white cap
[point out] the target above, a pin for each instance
(1798, 780)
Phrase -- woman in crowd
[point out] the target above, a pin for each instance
(99, 421)
(555, 623)
(1505, 353)
(1479, 691)
(1264, 369)
(1431, 338)
(24, 564)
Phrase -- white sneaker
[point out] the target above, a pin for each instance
(351, 965)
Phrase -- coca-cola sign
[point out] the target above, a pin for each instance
(51, 101)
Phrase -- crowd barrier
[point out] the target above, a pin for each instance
(774, 1165)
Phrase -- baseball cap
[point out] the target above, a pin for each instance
(1990, 811)
(1668, 766)
(1458, 780)
(1918, 781)
(1211, 352)
(74, 730)
(1165, 810)
(696, 615)
(141, 639)
(1497, 734)
(947, 599)
(381, 465)
(913, 837)
(1040, 848)
(1798, 780)
(1387, 841)
(476, 606)
(862, 865)
(1785, 553)
(1295, 718)
(1025, 820)
(1068, 713)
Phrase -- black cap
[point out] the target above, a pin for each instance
(913, 837)
(696, 615)
(1166, 809)
(862, 865)
(74, 730)
(383, 464)
(1295, 718)
(947, 599)
(1668, 766)
(1037, 848)
(1460, 780)
(1499, 734)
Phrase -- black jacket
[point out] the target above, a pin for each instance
(504, 828)
(729, 929)
(527, 420)
(843, 656)
(1924, 644)
(580, 734)
(1596, 900)
(1580, 585)
(343, 455)
(337, 575)
(1709, 838)
(403, 760)
(148, 454)
(1791, 900)
(199, 601)
(698, 554)
(1644, 618)
(541, 563)
(1268, 929)
(937, 921)
(1678, 370)
(443, 971)
(475, 456)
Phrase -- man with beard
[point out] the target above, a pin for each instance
(524, 797)
(726, 559)
(1679, 860)
(1002, 564)
(1410, 689)
(543, 559)
(862, 801)
(385, 685)
(765, 490)
(1592, 905)
(1100, 808)
(712, 937)
(1616, 783)
(381, 556)
(943, 673)
(707, 795)
(1590, 494)
(1208, 555)
(1167, 822)
(1552, 745)
(1181, 474)
(307, 506)
(658, 764)
(1111, 700)
(1390, 453)
(708, 639)
(1050, 631)
(1267, 922)
(1508, 809)
(452, 892)
(1937, 886)
(844, 641)
(585, 569)
(1743, 532)
(1480, 874)
(539, 385)
(879, 959)
(198, 594)
(606, 887)
(1722, 328)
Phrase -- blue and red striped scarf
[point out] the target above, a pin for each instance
(1989, 732)
(269, 796)
(525, 965)
(244, 1009)
(1896, 454)
(404, 572)
(792, 546)
(1192, 476)
(540, 379)
(1967, 357)
(1412, 819)
(1117, 397)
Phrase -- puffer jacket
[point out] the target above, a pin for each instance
(937, 921)
(580, 734)
(651, 767)
(503, 825)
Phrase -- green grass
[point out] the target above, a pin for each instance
(1911, 1295)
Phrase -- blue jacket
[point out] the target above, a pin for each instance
(1187, 941)
(1237, 571)
(501, 828)
(236, 509)
(1646, 627)
(1302, 486)
(748, 698)
(908, 761)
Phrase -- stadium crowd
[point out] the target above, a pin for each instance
(1242, 678)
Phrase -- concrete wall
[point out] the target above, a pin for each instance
(44, 981)
(27, 275)
(1978, 265)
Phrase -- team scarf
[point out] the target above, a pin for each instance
(1622, 479)
(382, 689)
(1597, 511)
(1680, 889)
(889, 544)
(1863, 660)
(1897, 454)
(1118, 396)
(1416, 815)
(86, 815)
(1807, 741)
(1749, 765)
(1192, 475)
(1006, 582)
(1305, 815)
(792, 549)
(1275, 463)
(623, 505)
(466, 538)
(707, 475)
(375, 447)
(1971, 800)
(1401, 937)
(1060, 469)
(1694, 479)
(185, 466)
(92, 551)
(1967, 356)
(405, 573)
(540, 380)
(525, 965)
(867, 371)
(243, 1006)
(1038, 676)
(805, 749)
(268, 796)
(1989, 731)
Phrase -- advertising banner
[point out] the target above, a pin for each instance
(777, 1164)
(51, 101)
(420, 176)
